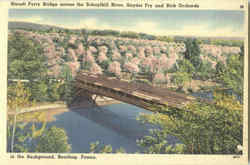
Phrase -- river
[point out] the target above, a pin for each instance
(113, 124)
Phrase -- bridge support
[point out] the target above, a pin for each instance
(84, 95)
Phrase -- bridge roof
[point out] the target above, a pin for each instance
(161, 95)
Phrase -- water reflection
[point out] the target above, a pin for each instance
(115, 121)
(114, 124)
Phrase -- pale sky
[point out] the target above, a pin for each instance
(157, 22)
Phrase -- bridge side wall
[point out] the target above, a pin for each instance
(118, 95)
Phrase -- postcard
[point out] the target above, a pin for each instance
(120, 82)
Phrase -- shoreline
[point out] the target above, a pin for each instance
(64, 107)
(99, 101)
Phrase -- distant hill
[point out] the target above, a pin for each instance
(30, 26)
(207, 38)
(35, 26)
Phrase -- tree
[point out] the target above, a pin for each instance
(159, 78)
(86, 42)
(131, 68)
(220, 69)
(180, 78)
(233, 75)
(26, 61)
(33, 137)
(39, 90)
(201, 127)
(53, 140)
(96, 147)
(206, 70)
(192, 52)
(115, 69)
(18, 97)
(25, 58)
(65, 90)
(184, 66)
(53, 91)
(156, 143)
(26, 135)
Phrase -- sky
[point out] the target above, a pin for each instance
(215, 23)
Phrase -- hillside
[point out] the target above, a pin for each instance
(43, 27)
(29, 26)
(153, 61)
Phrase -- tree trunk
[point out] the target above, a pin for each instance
(13, 134)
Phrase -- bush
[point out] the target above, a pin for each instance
(54, 140)
(180, 78)
(206, 71)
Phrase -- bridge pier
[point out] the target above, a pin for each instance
(83, 95)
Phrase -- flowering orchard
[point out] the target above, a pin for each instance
(116, 56)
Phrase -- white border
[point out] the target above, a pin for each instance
(126, 158)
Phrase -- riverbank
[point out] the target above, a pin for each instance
(100, 101)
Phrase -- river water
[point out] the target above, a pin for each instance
(114, 124)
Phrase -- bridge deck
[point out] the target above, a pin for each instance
(160, 95)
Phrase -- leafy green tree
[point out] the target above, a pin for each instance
(180, 78)
(26, 61)
(220, 70)
(53, 140)
(86, 42)
(26, 136)
(25, 58)
(233, 75)
(105, 64)
(18, 97)
(67, 58)
(53, 91)
(32, 138)
(96, 147)
(184, 66)
(120, 150)
(201, 127)
(66, 73)
(39, 91)
(206, 70)
(192, 52)
(65, 90)
(18, 133)
(156, 143)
